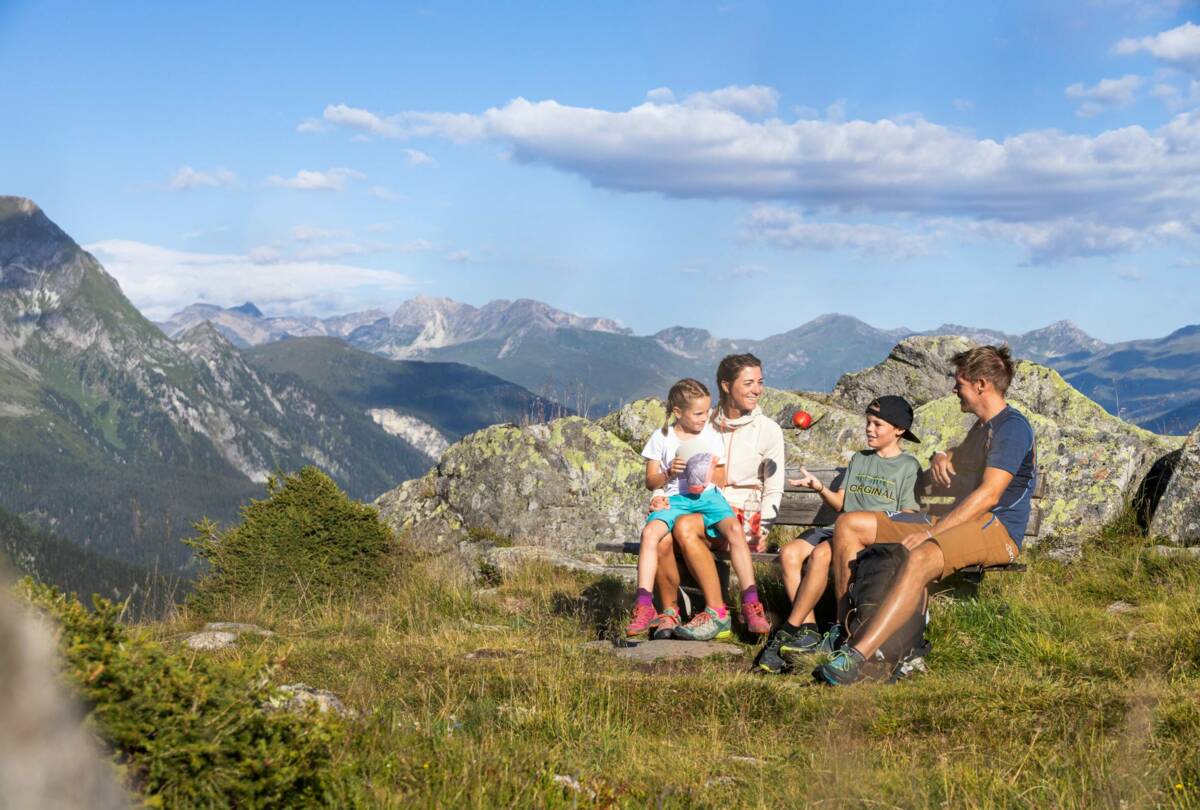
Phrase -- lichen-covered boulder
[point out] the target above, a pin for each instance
(634, 422)
(835, 434)
(1177, 517)
(567, 485)
(1093, 461)
(918, 369)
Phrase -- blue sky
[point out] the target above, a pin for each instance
(738, 166)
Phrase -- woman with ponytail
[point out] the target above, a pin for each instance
(753, 486)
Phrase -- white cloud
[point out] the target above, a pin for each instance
(661, 95)
(309, 233)
(1174, 96)
(786, 228)
(963, 104)
(1068, 238)
(1179, 46)
(311, 180)
(418, 158)
(383, 193)
(160, 281)
(264, 254)
(312, 125)
(337, 250)
(360, 119)
(459, 256)
(753, 99)
(1105, 94)
(185, 178)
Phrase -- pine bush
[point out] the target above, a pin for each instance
(306, 542)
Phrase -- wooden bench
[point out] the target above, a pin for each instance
(804, 508)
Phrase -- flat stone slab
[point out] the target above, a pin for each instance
(667, 649)
(239, 628)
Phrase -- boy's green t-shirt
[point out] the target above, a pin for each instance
(876, 484)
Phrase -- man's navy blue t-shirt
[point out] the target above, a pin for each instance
(1006, 442)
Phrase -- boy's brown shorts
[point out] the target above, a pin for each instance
(983, 541)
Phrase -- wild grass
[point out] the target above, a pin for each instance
(1038, 695)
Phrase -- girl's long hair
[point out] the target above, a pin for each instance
(682, 394)
(728, 370)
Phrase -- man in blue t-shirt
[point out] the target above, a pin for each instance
(996, 461)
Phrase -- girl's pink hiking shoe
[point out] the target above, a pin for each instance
(755, 618)
(640, 622)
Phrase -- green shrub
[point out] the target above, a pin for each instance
(305, 543)
(189, 729)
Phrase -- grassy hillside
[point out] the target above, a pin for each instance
(483, 695)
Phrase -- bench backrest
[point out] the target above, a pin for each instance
(803, 507)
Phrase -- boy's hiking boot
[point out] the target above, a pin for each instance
(755, 618)
(771, 658)
(802, 643)
(704, 626)
(833, 640)
(639, 623)
(845, 668)
(664, 624)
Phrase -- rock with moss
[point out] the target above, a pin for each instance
(835, 434)
(634, 422)
(918, 369)
(1093, 461)
(1177, 517)
(566, 485)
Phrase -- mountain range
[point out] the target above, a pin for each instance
(118, 438)
(595, 364)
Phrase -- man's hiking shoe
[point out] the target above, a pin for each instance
(845, 668)
(664, 624)
(704, 626)
(802, 643)
(755, 618)
(639, 624)
(833, 640)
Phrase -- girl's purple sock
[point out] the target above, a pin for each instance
(644, 597)
(750, 595)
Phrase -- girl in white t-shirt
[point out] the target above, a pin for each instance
(685, 468)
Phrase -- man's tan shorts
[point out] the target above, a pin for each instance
(983, 541)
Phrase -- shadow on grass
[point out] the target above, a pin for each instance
(601, 606)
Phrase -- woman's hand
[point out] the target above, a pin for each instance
(659, 503)
(807, 480)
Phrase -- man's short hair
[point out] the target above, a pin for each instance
(992, 363)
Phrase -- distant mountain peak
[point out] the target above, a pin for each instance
(204, 339)
(248, 309)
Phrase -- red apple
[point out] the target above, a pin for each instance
(802, 420)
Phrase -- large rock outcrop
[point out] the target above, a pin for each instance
(572, 483)
(566, 485)
(1178, 514)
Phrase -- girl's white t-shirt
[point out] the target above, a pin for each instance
(662, 449)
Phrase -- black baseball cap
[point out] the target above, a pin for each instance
(895, 411)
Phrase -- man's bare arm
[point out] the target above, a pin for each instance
(981, 500)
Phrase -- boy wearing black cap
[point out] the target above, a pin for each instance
(882, 478)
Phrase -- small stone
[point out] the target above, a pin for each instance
(747, 760)
(210, 640)
(1117, 608)
(296, 697)
(665, 649)
(572, 784)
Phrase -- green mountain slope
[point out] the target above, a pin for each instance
(455, 399)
